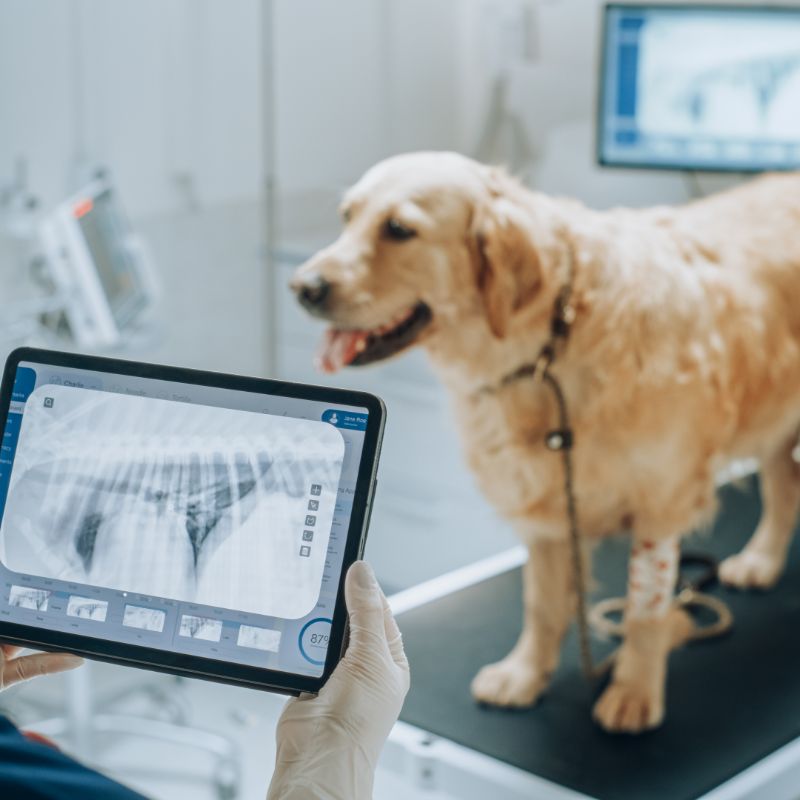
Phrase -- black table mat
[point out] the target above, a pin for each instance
(730, 701)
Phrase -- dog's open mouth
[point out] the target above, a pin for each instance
(355, 347)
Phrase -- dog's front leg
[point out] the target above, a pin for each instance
(634, 701)
(549, 602)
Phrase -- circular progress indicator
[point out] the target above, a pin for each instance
(314, 640)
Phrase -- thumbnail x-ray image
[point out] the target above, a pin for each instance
(209, 630)
(25, 597)
(177, 500)
(87, 608)
(721, 77)
(258, 638)
(148, 619)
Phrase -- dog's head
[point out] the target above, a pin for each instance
(430, 241)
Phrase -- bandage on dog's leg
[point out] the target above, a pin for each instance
(652, 573)
(634, 701)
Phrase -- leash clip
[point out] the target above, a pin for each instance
(543, 362)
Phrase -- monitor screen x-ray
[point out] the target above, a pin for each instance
(154, 509)
(700, 87)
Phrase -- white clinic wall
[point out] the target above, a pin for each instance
(356, 81)
(36, 98)
(167, 94)
(172, 97)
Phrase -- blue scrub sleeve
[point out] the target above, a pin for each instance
(33, 771)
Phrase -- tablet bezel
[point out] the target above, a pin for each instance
(182, 663)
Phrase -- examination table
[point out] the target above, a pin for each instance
(733, 703)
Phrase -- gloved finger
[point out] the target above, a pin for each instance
(394, 637)
(25, 667)
(363, 598)
(303, 697)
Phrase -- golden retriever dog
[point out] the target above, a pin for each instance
(684, 355)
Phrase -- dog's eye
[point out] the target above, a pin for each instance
(346, 214)
(395, 229)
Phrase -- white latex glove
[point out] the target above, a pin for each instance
(328, 745)
(15, 668)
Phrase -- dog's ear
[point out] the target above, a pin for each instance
(508, 269)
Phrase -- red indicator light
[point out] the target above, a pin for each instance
(82, 207)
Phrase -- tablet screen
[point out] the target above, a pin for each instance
(189, 518)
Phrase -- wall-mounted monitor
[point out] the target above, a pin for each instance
(700, 87)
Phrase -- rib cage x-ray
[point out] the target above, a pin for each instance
(177, 500)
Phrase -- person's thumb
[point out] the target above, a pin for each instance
(364, 604)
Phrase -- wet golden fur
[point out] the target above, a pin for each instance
(685, 355)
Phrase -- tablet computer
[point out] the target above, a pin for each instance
(183, 521)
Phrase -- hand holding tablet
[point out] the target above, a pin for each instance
(350, 719)
(182, 521)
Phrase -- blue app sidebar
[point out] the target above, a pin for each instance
(24, 384)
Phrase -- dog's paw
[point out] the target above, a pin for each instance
(751, 570)
(628, 709)
(511, 682)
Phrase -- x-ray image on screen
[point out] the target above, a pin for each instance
(258, 638)
(147, 619)
(188, 502)
(25, 597)
(203, 628)
(87, 608)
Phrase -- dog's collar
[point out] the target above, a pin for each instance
(561, 321)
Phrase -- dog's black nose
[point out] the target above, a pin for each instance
(313, 292)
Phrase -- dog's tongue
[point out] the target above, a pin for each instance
(339, 348)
